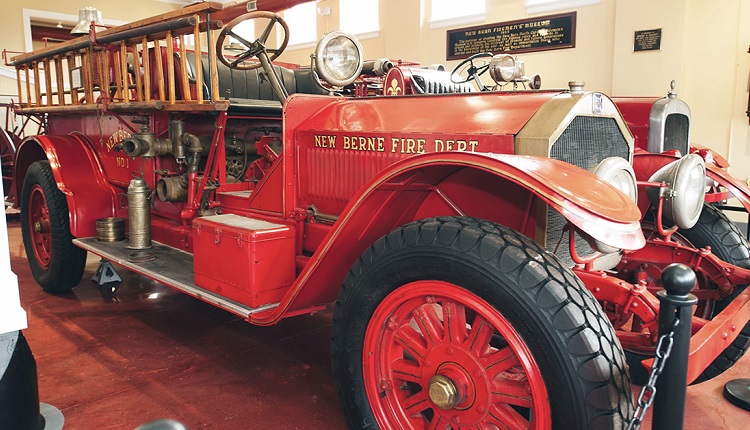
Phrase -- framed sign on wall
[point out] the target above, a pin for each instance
(541, 33)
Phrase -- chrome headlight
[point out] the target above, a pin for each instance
(338, 58)
(619, 173)
(685, 191)
(505, 68)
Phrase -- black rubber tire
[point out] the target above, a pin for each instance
(588, 386)
(714, 229)
(67, 261)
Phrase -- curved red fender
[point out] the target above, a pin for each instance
(87, 191)
(736, 186)
(587, 201)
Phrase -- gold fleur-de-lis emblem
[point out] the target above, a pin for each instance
(394, 90)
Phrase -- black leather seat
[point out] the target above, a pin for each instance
(249, 91)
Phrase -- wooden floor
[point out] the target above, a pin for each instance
(114, 360)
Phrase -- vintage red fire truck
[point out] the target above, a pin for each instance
(470, 241)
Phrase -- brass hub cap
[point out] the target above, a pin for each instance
(442, 392)
(37, 226)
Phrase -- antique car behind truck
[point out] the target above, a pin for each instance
(661, 129)
(464, 241)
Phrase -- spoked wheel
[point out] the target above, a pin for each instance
(57, 264)
(439, 354)
(457, 323)
(254, 48)
(40, 231)
(471, 68)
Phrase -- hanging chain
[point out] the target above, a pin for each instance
(648, 392)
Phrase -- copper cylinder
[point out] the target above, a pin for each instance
(110, 229)
(139, 214)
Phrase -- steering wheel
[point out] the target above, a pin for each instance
(252, 49)
(471, 69)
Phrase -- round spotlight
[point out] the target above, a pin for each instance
(503, 68)
(685, 191)
(338, 58)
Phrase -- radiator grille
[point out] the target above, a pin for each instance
(676, 133)
(585, 143)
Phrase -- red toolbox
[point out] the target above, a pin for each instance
(247, 260)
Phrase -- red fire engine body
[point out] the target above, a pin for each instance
(470, 252)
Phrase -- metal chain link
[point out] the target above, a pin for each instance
(648, 392)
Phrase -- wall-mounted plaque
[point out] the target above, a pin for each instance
(541, 33)
(647, 40)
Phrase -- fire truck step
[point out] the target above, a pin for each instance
(234, 199)
(172, 267)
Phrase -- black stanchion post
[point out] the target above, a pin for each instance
(676, 302)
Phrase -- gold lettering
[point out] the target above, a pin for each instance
(439, 145)
(381, 140)
(394, 143)
(460, 145)
(122, 162)
(420, 146)
(325, 141)
(473, 144)
(410, 146)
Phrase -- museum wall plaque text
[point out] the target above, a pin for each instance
(541, 33)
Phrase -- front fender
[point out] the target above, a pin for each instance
(385, 201)
(736, 186)
(78, 174)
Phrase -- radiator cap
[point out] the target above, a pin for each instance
(576, 87)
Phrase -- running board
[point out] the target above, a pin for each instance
(171, 267)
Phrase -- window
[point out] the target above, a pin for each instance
(246, 30)
(540, 6)
(447, 13)
(301, 20)
(361, 17)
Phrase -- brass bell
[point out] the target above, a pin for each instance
(85, 16)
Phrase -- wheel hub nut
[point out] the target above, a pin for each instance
(442, 392)
(37, 226)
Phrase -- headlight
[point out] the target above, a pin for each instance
(619, 173)
(505, 68)
(338, 58)
(685, 191)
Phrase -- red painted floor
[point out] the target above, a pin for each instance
(117, 360)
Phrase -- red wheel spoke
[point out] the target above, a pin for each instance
(457, 366)
(407, 370)
(512, 392)
(439, 423)
(505, 417)
(454, 322)
(411, 341)
(480, 335)
(429, 323)
(499, 362)
(416, 403)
